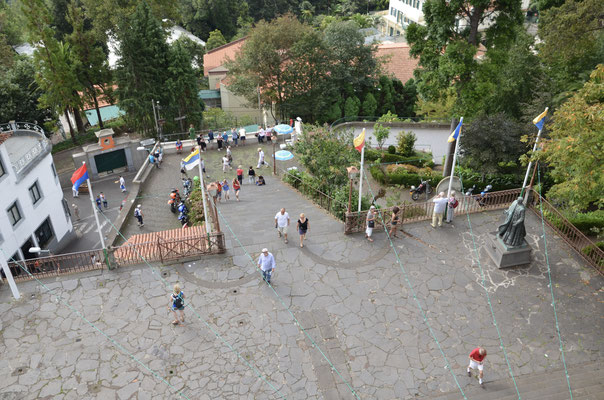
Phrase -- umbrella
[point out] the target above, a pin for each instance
(283, 155)
(283, 129)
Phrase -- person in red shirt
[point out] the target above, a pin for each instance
(236, 188)
(477, 357)
(240, 174)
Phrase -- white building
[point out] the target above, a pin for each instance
(33, 212)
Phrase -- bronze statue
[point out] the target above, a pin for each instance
(512, 231)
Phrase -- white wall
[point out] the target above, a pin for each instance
(50, 205)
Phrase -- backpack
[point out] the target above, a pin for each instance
(137, 212)
(178, 301)
(454, 203)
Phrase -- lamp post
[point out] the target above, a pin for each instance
(213, 191)
(352, 173)
(274, 140)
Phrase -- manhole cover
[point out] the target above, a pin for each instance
(234, 291)
(165, 274)
(19, 371)
(171, 371)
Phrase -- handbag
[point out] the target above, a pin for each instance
(371, 224)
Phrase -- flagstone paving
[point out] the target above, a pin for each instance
(350, 296)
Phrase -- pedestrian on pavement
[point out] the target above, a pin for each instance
(75, 192)
(76, 211)
(219, 141)
(122, 184)
(202, 143)
(103, 199)
(98, 202)
(226, 189)
(225, 138)
(266, 263)
(235, 136)
(151, 159)
(210, 136)
(394, 221)
(281, 223)
(203, 166)
(303, 227)
(477, 357)
(183, 170)
(370, 221)
(453, 203)
(251, 175)
(138, 213)
(242, 135)
(229, 155)
(261, 134)
(236, 187)
(440, 204)
(225, 163)
(240, 174)
(260, 158)
(218, 191)
(191, 132)
(177, 303)
(178, 146)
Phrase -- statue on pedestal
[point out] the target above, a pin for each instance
(512, 231)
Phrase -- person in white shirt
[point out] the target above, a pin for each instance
(260, 158)
(453, 203)
(267, 264)
(122, 184)
(225, 164)
(281, 223)
(242, 136)
(440, 204)
(261, 135)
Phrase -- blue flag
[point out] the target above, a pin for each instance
(540, 119)
(455, 134)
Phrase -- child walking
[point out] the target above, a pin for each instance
(251, 175)
(177, 303)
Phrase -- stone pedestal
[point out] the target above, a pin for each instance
(505, 256)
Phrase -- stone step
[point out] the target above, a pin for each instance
(585, 380)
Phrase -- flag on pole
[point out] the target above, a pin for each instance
(456, 132)
(540, 119)
(79, 176)
(191, 160)
(359, 141)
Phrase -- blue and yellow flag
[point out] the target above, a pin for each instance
(455, 134)
(192, 160)
(540, 119)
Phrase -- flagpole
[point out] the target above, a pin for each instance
(361, 175)
(528, 169)
(454, 160)
(94, 209)
(203, 193)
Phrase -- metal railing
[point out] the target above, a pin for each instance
(584, 247)
(415, 212)
(56, 265)
(325, 201)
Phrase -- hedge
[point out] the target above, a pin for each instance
(589, 223)
(401, 177)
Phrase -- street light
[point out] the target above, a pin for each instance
(353, 172)
(38, 250)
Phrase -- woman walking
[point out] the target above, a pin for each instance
(177, 303)
(370, 223)
(236, 187)
(303, 227)
(394, 221)
(225, 189)
(240, 174)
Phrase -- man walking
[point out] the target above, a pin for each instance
(281, 223)
(103, 199)
(139, 216)
(440, 203)
(76, 211)
(452, 205)
(266, 263)
(477, 357)
(260, 158)
(122, 184)
(98, 202)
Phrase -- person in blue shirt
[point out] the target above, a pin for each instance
(225, 138)
(210, 136)
(267, 264)
(151, 159)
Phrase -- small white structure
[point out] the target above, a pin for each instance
(33, 212)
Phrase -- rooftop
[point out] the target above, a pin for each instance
(398, 62)
(218, 56)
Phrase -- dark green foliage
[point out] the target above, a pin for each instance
(391, 149)
(369, 105)
(195, 205)
(20, 94)
(215, 40)
(381, 133)
(183, 84)
(143, 68)
(591, 223)
(406, 142)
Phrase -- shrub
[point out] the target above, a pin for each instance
(381, 133)
(195, 205)
(377, 174)
(391, 149)
(406, 142)
(591, 223)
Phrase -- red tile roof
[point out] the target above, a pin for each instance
(397, 61)
(217, 57)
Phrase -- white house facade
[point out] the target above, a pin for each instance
(33, 212)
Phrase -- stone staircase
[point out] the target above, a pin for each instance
(586, 382)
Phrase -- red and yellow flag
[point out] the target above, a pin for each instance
(359, 141)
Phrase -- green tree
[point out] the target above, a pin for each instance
(215, 40)
(575, 147)
(491, 143)
(20, 93)
(381, 133)
(369, 105)
(183, 84)
(196, 51)
(434, 110)
(405, 97)
(55, 74)
(406, 143)
(386, 95)
(352, 106)
(572, 41)
(142, 72)
(89, 60)
(447, 52)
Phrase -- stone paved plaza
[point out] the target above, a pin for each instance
(349, 295)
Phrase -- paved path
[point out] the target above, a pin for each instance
(349, 295)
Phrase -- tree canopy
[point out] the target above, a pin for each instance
(574, 150)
